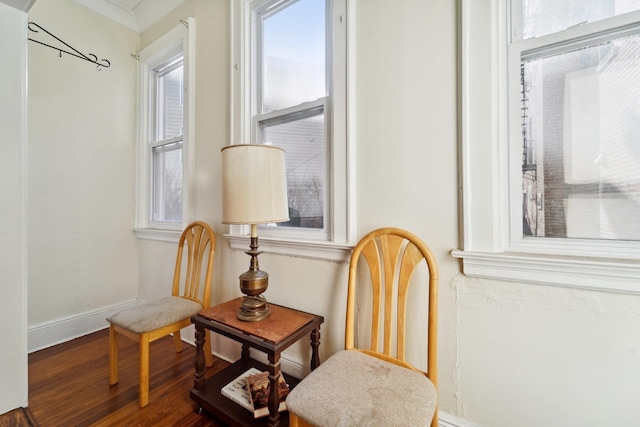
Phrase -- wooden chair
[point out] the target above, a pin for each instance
(373, 384)
(155, 319)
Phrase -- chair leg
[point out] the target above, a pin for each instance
(143, 399)
(177, 341)
(113, 355)
(208, 354)
(295, 421)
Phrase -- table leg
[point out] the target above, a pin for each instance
(199, 380)
(315, 343)
(274, 395)
(245, 351)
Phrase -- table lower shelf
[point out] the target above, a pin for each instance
(212, 400)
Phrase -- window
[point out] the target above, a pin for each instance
(578, 117)
(167, 118)
(163, 169)
(291, 99)
(552, 182)
(290, 91)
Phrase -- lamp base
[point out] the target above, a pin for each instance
(254, 308)
(253, 283)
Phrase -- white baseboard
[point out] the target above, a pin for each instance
(445, 419)
(290, 364)
(58, 331)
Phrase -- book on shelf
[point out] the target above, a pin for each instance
(259, 387)
(238, 391)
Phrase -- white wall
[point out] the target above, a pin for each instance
(544, 356)
(406, 146)
(13, 221)
(82, 252)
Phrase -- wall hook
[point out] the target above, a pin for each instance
(103, 63)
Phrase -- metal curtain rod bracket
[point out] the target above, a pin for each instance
(103, 63)
(184, 22)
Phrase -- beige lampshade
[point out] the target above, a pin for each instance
(254, 184)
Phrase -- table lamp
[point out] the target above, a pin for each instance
(254, 192)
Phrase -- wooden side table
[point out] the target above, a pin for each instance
(272, 335)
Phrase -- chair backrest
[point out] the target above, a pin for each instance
(392, 255)
(200, 244)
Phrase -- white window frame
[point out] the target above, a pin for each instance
(181, 39)
(493, 246)
(340, 210)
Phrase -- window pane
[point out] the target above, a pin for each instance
(167, 183)
(304, 145)
(293, 55)
(542, 17)
(169, 103)
(581, 155)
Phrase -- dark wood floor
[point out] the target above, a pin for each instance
(20, 417)
(69, 385)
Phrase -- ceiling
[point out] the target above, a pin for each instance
(23, 5)
(137, 15)
(129, 5)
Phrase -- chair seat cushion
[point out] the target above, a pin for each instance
(355, 389)
(155, 314)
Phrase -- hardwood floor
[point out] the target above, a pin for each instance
(20, 417)
(69, 385)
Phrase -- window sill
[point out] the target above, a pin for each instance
(306, 249)
(576, 272)
(172, 236)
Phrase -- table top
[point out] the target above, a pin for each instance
(278, 326)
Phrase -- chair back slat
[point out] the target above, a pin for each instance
(411, 258)
(189, 243)
(390, 250)
(192, 288)
(372, 256)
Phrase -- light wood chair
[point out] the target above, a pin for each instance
(155, 319)
(373, 384)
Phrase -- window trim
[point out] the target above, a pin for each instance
(180, 39)
(312, 249)
(488, 250)
(341, 207)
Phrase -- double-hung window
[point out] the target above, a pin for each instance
(164, 112)
(561, 205)
(575, 68)
(167, 106)
(290, 91)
